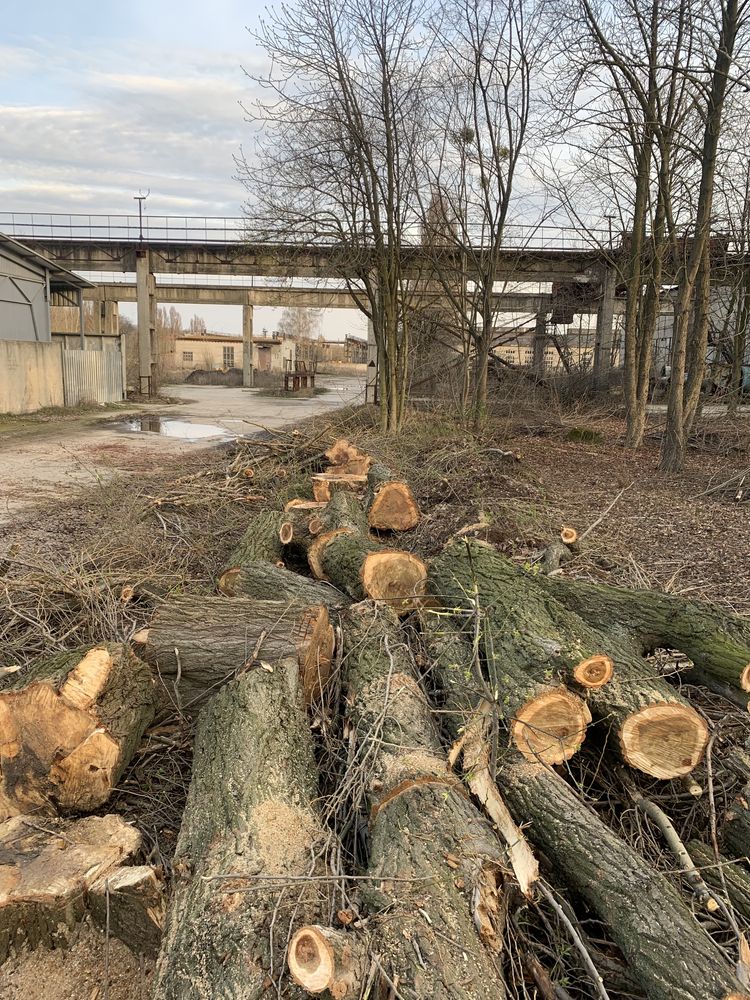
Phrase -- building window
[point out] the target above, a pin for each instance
(229, 357)
(187, 355)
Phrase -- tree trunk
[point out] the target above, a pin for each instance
(199, 643)
(46, 866)
(260, 541)
(69, 727)
(251, 850)
(263, 580)
(718, 643)
(435, 864)
(130, 904)
(299, 531)
(389, 502)
(634, 900)
(360, 567)
(531, 643)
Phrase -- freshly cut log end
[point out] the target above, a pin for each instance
(321, 958)
(286, 532)
(568, 536)
(315, 525)
(594, 672)
(664, 740)
(551, 728)
(745, 678)
(302, 504)
(227, 582)
(393, 509)
(69, 728)
(347, 457)
(399, 579)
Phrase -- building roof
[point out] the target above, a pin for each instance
(225, 338)
(59, 277)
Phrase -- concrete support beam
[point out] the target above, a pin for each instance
(540, 344)
(96, 318)
(248, 369)
(604, 329)
(81, 321)
(145, 287)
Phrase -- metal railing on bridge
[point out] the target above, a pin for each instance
(172, 229)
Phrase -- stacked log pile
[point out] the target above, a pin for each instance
(389, 794)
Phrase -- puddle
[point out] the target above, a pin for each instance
(168, 427)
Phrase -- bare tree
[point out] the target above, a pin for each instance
(335, 162)
(299, 324)
(197, 325)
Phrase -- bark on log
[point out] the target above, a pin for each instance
(718, 643)
(251, 849)
(130, 903)
(667, 951)
(435, 864)
(199, 643)
(345, 457)
(389, 502)
(322, 958)
(352, 562)
(325, 485)
(46, 866)
(736, 876)
(260, 541)
(736, 830)
(529, 635)
(265, 582)
(69, 727)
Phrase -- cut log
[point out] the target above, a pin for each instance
(325, 485)
(266, 582)
(301, 504)
(130, 904)
(344, 457)
(736, 876)
(527, 634)
(467, 716)
(46, 866)
(321, 958)
(434, 892)
(199, 643)
(260, 541)
(69, 727)
(300, 530)
(636, 902)
(736, 830)
(251, 851)
(352, 562)
(718, 643)
(389, 502)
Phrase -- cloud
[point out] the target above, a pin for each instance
(171, 123)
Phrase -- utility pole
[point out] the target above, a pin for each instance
(140, 198)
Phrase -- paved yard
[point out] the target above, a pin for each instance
(40, 460)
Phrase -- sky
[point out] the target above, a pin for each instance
(101, 101)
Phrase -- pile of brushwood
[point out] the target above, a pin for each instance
(462, 779)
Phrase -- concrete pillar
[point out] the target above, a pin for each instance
(540, 344)
(96, 316)
(146, 317)
(111, 318)
(248, 369)
(604, 329)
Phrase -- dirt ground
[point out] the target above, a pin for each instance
(521, 478)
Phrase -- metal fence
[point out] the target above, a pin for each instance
(218, 230)
(92, 377)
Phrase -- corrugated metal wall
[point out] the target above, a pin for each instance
(92, 377)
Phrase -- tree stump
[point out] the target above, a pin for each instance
(389, 501)
(69, 727)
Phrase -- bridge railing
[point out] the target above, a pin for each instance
(220, 230)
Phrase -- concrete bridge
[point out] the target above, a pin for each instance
(218, 247)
